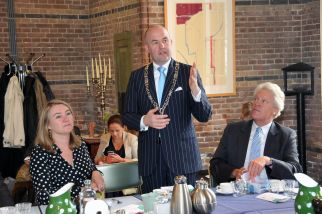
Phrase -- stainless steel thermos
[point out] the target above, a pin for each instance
(181, 200)
(203, 198)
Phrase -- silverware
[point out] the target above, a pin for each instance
(120, 211)
(117, 201)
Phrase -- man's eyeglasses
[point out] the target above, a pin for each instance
(260, 100)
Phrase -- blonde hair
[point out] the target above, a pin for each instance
(43, 138)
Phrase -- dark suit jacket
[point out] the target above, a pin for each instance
(281, 146)
(178, 139)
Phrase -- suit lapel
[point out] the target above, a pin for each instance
(245, 134)
(271, 141)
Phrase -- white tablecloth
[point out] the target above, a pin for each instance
(226, 204)
(116, 203)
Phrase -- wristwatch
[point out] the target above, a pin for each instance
(270, 163)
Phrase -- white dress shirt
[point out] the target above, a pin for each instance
(263, 137)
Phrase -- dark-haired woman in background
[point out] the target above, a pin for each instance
(117, 145)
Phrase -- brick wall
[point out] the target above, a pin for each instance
(311, 55)
(268, 38)
(61, 30)
(107, 19)
(4, 40)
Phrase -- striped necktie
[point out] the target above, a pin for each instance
(256, 145)
(161, 83)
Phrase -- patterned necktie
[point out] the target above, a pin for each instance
(161, 83)
(256, 145)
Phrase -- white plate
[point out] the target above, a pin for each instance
(223, 193)
(95, 206)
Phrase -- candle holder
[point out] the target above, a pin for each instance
(99, 81)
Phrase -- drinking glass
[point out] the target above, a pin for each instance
(289, 187)
(7, 210)
(162, 197)
(148, 200)
(239, 187)
(23, 208)
(275, 185)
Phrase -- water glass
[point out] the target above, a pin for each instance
(7, 210)
(239, 187)
(23, 208)
(162, 196)
(148, 200)
(275, 185)
(289, 187)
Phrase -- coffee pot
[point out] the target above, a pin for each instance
(203, 198)
(181, 201)
(60, 201)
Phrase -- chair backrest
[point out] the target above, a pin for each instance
(119, 176)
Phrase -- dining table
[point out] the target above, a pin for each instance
(226, 204)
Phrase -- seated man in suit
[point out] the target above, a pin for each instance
(261, 147)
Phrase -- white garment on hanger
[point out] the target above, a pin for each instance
(14, 133)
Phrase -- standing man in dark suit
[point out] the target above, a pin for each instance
(167, 140)
(277, 152)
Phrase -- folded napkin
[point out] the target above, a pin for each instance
(131, 209)
(273, 197)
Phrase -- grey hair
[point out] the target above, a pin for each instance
(278, 95)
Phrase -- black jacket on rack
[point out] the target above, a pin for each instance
(30, 108)
(12, 158)
(30, 112)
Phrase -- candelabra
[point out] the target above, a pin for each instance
(99, 80)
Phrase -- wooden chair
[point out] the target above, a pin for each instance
(23, 192)
(119, 176)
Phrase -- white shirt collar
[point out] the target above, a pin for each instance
(265, 129)
(165, 65)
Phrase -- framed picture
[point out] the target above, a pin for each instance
(202, 31)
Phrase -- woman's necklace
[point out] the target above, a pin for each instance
(167, 99)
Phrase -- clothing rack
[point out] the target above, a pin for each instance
(36, 93)
(21, 70)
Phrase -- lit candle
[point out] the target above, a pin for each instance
(87, 80)
(100, 63)
(97, 70)
(109, 68)
(105, 72)
(93, 74)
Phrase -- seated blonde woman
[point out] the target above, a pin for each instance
(117, 145)
(59, 156)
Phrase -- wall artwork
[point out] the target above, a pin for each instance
(203, 32)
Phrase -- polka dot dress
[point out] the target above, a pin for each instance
(50, 172)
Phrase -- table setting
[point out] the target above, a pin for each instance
(227, 198)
